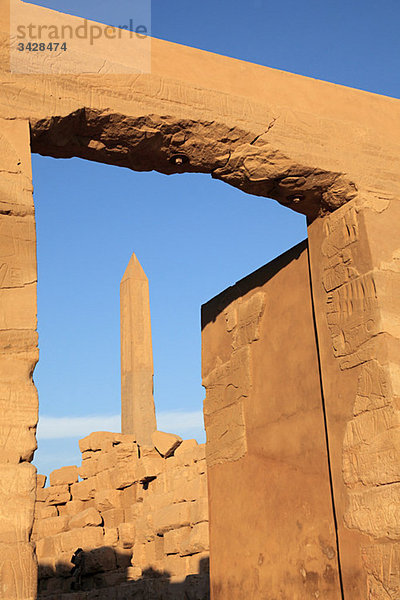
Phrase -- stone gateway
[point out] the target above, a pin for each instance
(301, 360)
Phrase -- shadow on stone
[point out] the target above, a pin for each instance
(106, 573)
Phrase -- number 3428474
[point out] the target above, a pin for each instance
(42, 47)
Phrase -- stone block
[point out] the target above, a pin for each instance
(68, 541)
(171, 463)
(126, 534)
(146, 450)
(176, 478)
(127, 449)
(129, 496)
(153, 556)
(197, 541)
(198, 563)
(108, 499)
(45, 547)
(158, 485)
(58, 494)
(86, 538)
(42, 494)
(138, 554)
(46, 567)
(100, 559)
(133, 573)
(103, 480)
(73, 507)
(113, 517)
(44, 511)
(49, 527)
(149, 467)
(108, 584)
(199, 453)
(165, 443)
(87, 518)
(191, 490)
(40, 481)
(175, 539)
(154, 502)
(133, 512)
(144, 528)
(65, 475)
(123, 556)
(63, 566)
(106, 460)
(185, 459)
(88, 467)
(110, 536)
(100, 440)
(201, 466)
(84, 490)
(124, 475)
(185, 448)
(92, 537)
(199, 511)
(172, 517)
(176, 566)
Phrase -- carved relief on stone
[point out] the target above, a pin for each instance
(18, 572)
(360, 315)
(382, 562)
(352, 314)
(18, 357)
(228, 385)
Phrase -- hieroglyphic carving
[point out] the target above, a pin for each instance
(360, 316)
(18, 572)
(18, 357)
(229, 384)
(382, 562)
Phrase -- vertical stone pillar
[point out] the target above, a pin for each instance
(137, 402)
(355, 267)
(19, 354)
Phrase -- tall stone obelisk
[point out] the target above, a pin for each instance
(137, 402)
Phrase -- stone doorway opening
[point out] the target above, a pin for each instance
(95, 265)
(82, 254)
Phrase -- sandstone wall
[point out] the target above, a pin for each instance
(140, 518)
(265, 429)
(18, 357)
(355, 266)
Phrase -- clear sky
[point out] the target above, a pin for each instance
(193, 236)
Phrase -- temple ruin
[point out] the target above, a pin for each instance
(141, 493)
(302, 395)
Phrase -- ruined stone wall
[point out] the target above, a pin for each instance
(140, 518)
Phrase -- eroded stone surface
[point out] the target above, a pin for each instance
(166, 443)
(18, 357)
(353, 254)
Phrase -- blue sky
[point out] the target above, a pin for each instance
(193, 236)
